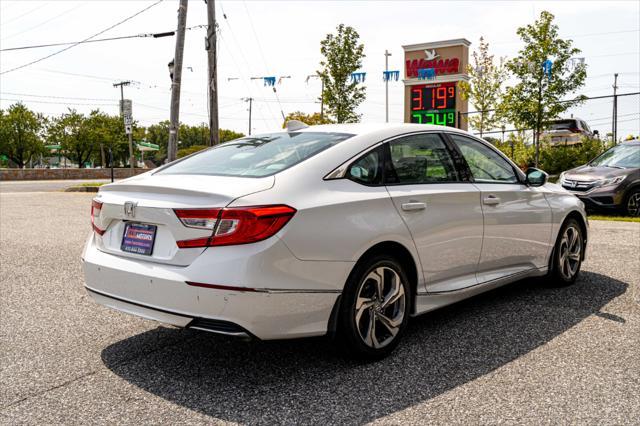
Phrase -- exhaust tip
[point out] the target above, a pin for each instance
(226, 328)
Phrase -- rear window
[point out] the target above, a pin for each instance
(563, 125)
(256, 156)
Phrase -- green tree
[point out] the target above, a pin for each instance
(309, 119)
(484, 88)
(229, 135)
(75, 135)
(536, 98)
(343, 54)
(183, 152)
(20, 134)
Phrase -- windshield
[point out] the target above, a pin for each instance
(621, 156)
(257, 156)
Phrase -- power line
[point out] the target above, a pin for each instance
(255, 35)
(142, 35)
(58, 97)
(83, 41)
(45, 22)
(24, 14)
(56, 103)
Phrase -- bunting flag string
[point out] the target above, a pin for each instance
(546, 66)
(269, 81)
(358, 77)
(390, 75)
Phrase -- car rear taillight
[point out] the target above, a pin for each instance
(96, 208)
(235, 225)
(198, 218)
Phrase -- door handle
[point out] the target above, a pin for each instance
(413, 206)
(491, 200)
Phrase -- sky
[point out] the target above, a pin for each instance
(282, 38)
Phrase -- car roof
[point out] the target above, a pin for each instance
(359, 129)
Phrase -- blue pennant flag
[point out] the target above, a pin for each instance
(269, 81)
(390, 75)
(358, 77)
(546, 67)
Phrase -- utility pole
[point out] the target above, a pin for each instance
(614, 123)
(250, 100)
(210, 45)
(132, 160)
(174, 116)
(386, 85)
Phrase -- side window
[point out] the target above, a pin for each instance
(368, 168)
(422, 158)
(487, 166)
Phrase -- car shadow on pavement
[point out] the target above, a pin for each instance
(308, 381)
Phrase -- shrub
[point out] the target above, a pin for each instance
(557, 159)
(190, 150)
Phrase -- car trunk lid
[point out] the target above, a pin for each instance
(148, 201)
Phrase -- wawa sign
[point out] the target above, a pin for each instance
(432, 73)
(432, 61)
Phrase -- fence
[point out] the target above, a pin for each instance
(596, 111)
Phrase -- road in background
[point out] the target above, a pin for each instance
(525, 354)
(43, 185)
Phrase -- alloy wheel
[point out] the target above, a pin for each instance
(633, 204)
(380, 307)
(570, 252)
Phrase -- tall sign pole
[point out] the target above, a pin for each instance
(211, 47)
(174, 116)
(386, 86)
(127, 115)
(614, 122)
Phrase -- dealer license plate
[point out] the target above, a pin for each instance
(138, 238)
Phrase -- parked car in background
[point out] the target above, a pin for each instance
(610, 181)
(567, 132)
(346, 230)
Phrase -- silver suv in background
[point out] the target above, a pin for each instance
(610, 181)
(568, 132)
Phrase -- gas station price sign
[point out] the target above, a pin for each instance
(434, 104)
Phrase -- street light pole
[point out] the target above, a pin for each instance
(386, 85)
(250, 100)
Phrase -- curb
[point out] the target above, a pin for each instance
(82, 189)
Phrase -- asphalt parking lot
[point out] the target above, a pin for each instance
(524, 354)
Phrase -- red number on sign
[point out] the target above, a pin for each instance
(441, 94)
(416, 99)
(452, 92)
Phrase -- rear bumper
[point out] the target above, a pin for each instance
(284, 297)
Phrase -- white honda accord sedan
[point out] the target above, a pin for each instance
(345, 230)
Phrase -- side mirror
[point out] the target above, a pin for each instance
(536, 177)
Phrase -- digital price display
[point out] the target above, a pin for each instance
(434, 104)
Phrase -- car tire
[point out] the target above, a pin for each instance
(375, 308)
(567, 255)
(631, 206)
